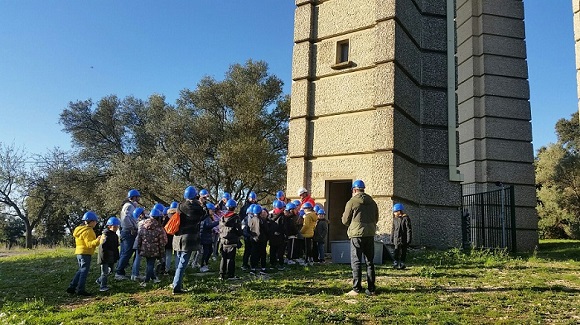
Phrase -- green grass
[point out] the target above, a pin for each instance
(440, 287)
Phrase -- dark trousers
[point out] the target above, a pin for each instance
(319, 251)
(401, 253)
(207, 250)
(228, 262)
(359, 247)
(294, 248)
(247, 251)
(258, 255)
(308, 248)
(277, 254)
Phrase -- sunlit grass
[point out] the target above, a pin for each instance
(451, 287)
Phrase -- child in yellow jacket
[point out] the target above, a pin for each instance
(86, 241)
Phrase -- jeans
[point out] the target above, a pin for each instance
(359, 247)
(136, 264)
(183, 259)
(168, 256)
(80, 278)
(319, 245)
(127, 241)
(207, 250)
(150, 269)
(105, 271)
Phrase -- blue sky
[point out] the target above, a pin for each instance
(54, 52)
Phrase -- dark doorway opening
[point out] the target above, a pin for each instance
(338, 192)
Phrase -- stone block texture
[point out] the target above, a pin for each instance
(381, 118)
(493, 104)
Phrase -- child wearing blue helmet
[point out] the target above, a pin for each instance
(401, 235)
(86, 241)
(108, 251)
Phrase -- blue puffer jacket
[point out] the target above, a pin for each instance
(206, 230)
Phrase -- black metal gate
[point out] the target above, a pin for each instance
(488, 219)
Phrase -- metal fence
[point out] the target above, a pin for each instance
(488, 219)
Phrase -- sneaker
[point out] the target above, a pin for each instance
(245, 268)
(70, 290)
(178, 291)
(352, 293)
(143, 284)
(281, 268)
(234, 278)
(120, 277)
(103, 289)
(221, 278)
(291, 262)
(137, 278)
(263, 272)
(156, 280)
(300, 261)
(402, 266)
(204, 269)
(369, 293)
(84, 293)
(395, 265)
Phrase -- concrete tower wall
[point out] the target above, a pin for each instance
(493, 103)
(381, 116)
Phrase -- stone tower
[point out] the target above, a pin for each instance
(371, 83)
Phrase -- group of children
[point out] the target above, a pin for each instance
(295, 231)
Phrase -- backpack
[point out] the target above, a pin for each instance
(172, 226)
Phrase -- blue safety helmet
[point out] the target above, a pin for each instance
(137, 212)
(133, 193)
(317, 208)
(226, 196)
(301, 213)
(210, 206)
(203, 192)
(231, 203)
(307, 205)
(174, 205)
(358, 184)
(159, 207)
(257, 209)
(278, 204)
(165, 210)
(190, 193)
(321, 211)
(297, 203)
(290, 206)
(250, 209)
(398, 207)
(155, 213)
(90, 216)
(113, 221)
(280, 194)
(252, 195)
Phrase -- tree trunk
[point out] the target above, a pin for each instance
(28, 233)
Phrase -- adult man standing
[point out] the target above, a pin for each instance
(305, 196)
(186, 240)
(361, 216)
